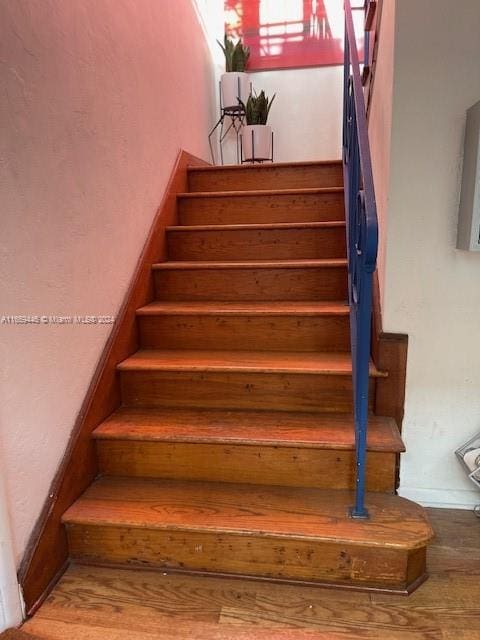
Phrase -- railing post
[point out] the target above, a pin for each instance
(362, 241)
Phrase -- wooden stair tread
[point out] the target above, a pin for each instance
(251, 510)
(273, 308)
(252, 264)
(259, 167)
(259, 192)
(259, 226)
(326, 431)
(328, 363)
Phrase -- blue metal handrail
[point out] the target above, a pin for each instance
(362, 245)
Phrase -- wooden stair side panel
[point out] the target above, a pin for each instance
(294, 332)
(234, 242)
(268, 207)
(251, 283)
(248, 464)
(47, 550)
(270, 176)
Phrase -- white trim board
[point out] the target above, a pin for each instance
(442, 498)
(11, 606)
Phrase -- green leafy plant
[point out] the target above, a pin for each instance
(257, 108)
(236, 55)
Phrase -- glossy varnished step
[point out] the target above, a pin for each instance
(273, 326)
(281, 175)
(225, 308)
(275, 532)
(302, 381)
(335, 364)
(281, 241)
(310, 450)
(274, 428)
(252, 280)
(261, 206)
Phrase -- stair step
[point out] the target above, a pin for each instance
(280, 241)
(270, 428)
(264, 280)
(309, 450)
(274, 326)
(273, 308)
(290, 381)
(261, 206)
(260, 531)
(312, 263)
(286, 175)
(335, 364)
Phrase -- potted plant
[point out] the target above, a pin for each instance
(256, 134)
(235, 83)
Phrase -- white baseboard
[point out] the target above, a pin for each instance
(11, 610)
(442, 498)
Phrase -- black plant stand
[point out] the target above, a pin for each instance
(236, 115)
(237, 119)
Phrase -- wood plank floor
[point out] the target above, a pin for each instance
(112, 604)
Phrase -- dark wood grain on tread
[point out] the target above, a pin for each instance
(303, 514)
(274, 532)
(335, 364)
(327, 431)
(272, 308)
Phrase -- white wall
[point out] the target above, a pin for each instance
(432, 290)
(98, 96)
(306, 116)
(307, 113)
(380, 126)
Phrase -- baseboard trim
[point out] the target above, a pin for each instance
(442, 498)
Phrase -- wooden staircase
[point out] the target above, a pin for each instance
(233, 450)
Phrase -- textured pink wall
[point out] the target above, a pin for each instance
(97, 98)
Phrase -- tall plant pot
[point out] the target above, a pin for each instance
(234, 85)
(257, 142)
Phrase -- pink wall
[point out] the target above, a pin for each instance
(97, 98)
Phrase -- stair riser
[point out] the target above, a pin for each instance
(269, 244)
(252, 284)
(340, 564)
(234, 390)
(317, 207)
(303, 177)
(262, 333)
(254, 464)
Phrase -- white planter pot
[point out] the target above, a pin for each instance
(257, 142)
(234, 85)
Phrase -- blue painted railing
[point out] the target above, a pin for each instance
(362, 244)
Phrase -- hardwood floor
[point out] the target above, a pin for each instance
(91, 603)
